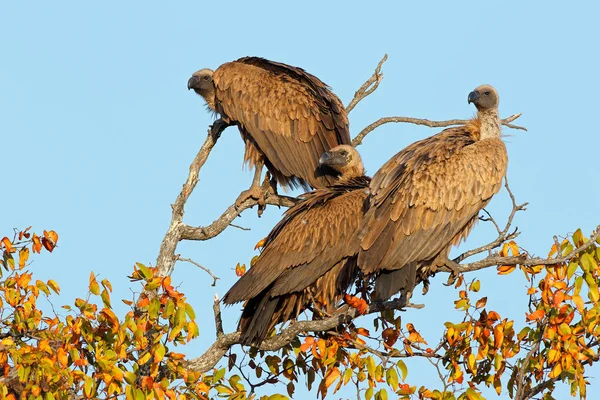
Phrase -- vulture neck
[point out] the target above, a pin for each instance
(490, 125)
(209, 97)
(353, 172)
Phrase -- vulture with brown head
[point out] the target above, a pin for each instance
(286, 116)
(427, 198)
(310, 256)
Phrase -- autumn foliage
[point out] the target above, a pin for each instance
(87, 351)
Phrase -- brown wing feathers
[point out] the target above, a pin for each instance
(308, 256)
(423, 201)
(290, 114)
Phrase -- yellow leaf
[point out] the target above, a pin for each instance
(23, 256)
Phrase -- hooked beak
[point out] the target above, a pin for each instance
(473, 96)
(330, 159)
(192, 82)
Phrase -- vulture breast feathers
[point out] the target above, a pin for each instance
(309, 257)
(286, 116)
(428, 196)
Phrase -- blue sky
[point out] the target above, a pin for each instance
(98, 129)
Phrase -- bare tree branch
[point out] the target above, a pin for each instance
(208, 232)
(165, 260)
(208, 271)
(368, 87)
(418, 121)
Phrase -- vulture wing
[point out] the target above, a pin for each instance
(289, 115)
(308, 256)
(427, 198)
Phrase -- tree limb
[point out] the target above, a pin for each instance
(208, 271)
(368, 87)
(165, 260)
(432, 124)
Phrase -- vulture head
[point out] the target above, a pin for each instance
(344, 160)
(202, 83)
(484, 97)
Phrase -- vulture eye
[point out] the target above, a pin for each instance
(344, 153)
(487, 93)
(207, 77)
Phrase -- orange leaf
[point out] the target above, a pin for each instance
(505, 269)
(331, 376)
(240, 270)
(51, 236)
(414, 336)
(362, 331)
(359, 304)
(493, 316)
(536, 315)
(143, 302)
(558, 298)
(260, 243)
(6, 242)
(513, 248)
(37, 244)
(62, 356)
(308, 342)
(531, 291)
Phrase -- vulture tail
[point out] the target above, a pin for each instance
(388, 283)
(257, 319)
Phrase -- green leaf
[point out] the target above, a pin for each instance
(571, 269)
(391, 377)
(381, 395)
(403, 369)
(144, 271)
(190, 311)
(219, 374)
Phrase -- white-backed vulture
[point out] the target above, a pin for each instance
(428, 197)
(310, 256)
(286, 116)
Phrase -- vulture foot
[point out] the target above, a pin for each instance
(218, 127)
(455, 267)
(256, 193)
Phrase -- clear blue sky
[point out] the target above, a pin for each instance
(98, 129)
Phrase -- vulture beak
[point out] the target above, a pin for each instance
(192, 82)
(473, 96)
(331, 159)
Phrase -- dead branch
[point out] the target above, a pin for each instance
(220, 224)
(432, 124)
(368, 87)
(345, 314)
(166, 259)
(208, 271)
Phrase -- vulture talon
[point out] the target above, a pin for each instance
(455, 267)
(255, 193)
(218, 127)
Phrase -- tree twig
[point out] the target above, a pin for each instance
(368, 87)
(418, 121)
(208, 271)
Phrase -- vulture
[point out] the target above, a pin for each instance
(427, 198)
(287, 118)
(310, 256)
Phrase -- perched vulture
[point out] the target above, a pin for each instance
(286, 116)
(310, 256)
(428, 196)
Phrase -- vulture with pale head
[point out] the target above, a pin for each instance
(286, 116)
(310, 256)
(427, 198)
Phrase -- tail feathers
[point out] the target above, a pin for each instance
(388, 283)
(257, 319)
